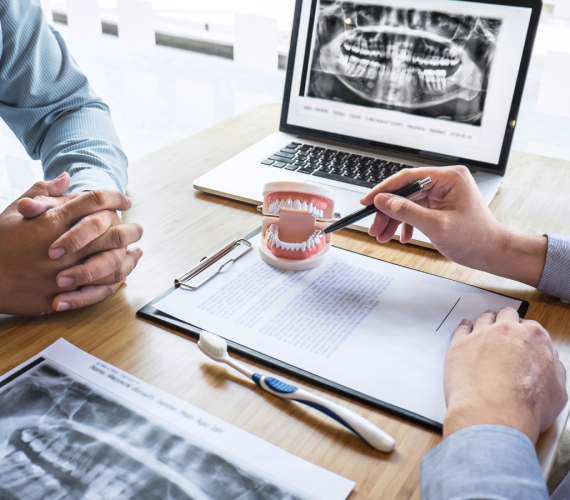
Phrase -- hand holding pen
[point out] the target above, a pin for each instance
(410, 192)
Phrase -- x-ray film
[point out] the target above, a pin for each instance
(423, 62)
(75, 428)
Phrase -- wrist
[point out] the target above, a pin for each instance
(461, 416)
(516, 256)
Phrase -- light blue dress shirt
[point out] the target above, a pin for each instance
(48, 103)
(492, 462)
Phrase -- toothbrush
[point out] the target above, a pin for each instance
(216, 348)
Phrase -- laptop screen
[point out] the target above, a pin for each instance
(438, 79)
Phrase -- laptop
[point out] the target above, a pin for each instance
(376, 86)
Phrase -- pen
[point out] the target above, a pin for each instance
(409, 192)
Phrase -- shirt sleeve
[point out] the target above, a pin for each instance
(555, 278)
(483, 462)
(49, 105)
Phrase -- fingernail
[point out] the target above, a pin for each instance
(466, 322)
(56, 253)
(129, 202)
(62, 306)
(60, 176)
(139, 252)
(490, 311)
(65, 281)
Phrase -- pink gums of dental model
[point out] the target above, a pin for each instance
(292, 237)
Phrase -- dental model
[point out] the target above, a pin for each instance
(292, 238)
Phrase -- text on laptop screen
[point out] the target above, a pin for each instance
(435, 76)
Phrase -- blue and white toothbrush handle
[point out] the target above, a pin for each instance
(364, 429)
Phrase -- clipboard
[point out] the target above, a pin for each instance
(209, 267)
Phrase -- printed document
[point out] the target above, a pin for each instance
(73, 427)
(374, 327)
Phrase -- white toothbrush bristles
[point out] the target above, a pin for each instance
(212, 345)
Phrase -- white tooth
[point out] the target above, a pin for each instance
(309, 243)
(289, 203)
(288, 246)
(320, 213)
(310, 208)
(38, 445)
(297, 205)
(304, 206)
(297, 246)
(282, 204)
(28, 435)
(303, 246)
(20, 458)
(49, 455)
(278, 244)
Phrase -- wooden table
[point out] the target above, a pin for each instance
(182, 225)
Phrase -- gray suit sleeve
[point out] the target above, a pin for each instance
(556, 275)
(483, 462)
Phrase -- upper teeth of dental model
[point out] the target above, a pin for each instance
(295, 205)
(313, 240)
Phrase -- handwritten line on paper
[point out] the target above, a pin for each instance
(322, 317)
(451, 310)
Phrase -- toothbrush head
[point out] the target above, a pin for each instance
(213, 346)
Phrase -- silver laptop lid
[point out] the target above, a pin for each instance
(440, 80)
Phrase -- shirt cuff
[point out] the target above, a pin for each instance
(490, 462)
(91, 178)
(555, 278)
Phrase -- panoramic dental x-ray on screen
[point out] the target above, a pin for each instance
(427, 63)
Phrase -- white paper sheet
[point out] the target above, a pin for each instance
(72, 426)
(374, 327)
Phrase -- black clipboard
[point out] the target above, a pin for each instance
(150, 313)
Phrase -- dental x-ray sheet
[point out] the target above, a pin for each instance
(435, 76)
(376, 328)
(73, 427)
(423, 62)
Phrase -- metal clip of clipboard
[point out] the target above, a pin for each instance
(207, 262)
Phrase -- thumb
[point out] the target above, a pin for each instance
(404, 210)
(43, 191)
(57, 187)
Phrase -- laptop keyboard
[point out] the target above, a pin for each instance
(332, 164)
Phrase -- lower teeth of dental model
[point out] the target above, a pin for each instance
(313, 240)
(295, 205)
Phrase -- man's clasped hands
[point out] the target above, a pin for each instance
(64, 251)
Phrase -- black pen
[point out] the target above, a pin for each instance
(409, 192)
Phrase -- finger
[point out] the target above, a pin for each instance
(487, 318)
(84, 232)
(464, 329)
(379, 224)
(85, 296)
(120, 236)
(407, 233)
(508, 314)
(404, 210)
(389, 232)
(32, 207)
(131, 260)
(56, 187)
(103, 268)
(94, 268)
(402, 179)
(92, 202)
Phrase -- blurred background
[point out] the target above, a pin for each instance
(170, 68)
